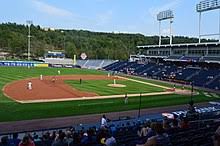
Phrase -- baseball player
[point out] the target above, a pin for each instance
(41, 77)
(29, 85)
(53, 79)
(58, 72)
(126, 98)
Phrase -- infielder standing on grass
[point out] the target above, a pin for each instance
(58, 72)
(29, 85)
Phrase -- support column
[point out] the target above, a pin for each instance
(171, 37)
(200, 17)
(158, 50)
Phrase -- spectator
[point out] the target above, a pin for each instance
(36, 138)
(69, 138)
(5, 141)
(26, 141)
(184, 124)
(142, 132)
(151, 131)
(59, 140)
(174, 125)
(216, 139)
(110, 141)
(103, 121)
(113, 129)
(92, 135)
(46, 141)
(85, 139)
(14, 141)
(160, 138)
(166, 124)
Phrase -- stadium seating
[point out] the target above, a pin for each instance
(209, 58)
(94, 64)
(127, 132)
(202, 77)
(90, 64)
(58, 61)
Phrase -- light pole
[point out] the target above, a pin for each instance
(139, 109)
(162, 16)
(64, 39)
(29, 22)
(192, 90)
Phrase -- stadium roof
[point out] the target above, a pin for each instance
(180, 45)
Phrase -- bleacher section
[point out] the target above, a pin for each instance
(90, 64)
(202, 77)
(196, 132)
(94, 64)
(58, 61)
(193, 58)
(213, 59)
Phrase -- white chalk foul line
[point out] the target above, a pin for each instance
(142, 82)
(93, 97)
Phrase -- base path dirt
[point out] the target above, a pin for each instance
(51, 87)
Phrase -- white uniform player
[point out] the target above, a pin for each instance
(41, 77)
(58, 72)
(29, 85)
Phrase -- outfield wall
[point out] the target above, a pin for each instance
(23, 64)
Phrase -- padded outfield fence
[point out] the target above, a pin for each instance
(23, 64)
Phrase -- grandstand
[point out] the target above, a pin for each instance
(206, 75)
(128, 131)
(196, 52)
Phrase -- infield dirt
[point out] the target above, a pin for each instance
(51, 87)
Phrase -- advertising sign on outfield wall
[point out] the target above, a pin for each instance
(22, 64)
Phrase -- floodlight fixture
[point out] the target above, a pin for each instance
(165, 15)
(204, 6)
(207, 5)
(168, 14)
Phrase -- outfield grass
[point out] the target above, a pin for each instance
(12, 111)
(101, 87)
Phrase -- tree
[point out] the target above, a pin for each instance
(70, 49)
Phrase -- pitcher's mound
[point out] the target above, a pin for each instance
(117, 85)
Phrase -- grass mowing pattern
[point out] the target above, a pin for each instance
(12, 111)
(101, 87)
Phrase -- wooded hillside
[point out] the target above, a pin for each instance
(13, 39)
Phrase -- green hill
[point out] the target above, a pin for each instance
(97, 45)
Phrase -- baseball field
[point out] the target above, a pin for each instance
(80, 92)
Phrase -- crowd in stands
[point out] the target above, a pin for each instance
(178, 131)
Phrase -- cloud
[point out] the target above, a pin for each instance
(171, 4)
(50, 9)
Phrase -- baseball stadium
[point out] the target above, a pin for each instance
(161, 94)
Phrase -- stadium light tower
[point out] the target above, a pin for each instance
(204, 6)
(165, 15)
(29, 23)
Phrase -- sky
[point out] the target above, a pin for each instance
(125, 16)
